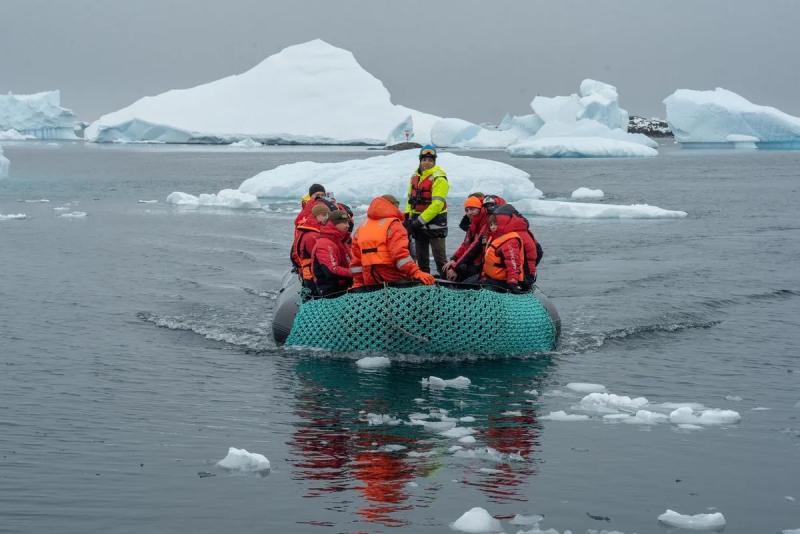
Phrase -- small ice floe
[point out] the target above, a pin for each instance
(557, 393)
(74, 215)
(689, 426)
(392, 448)
(227, 198)
(420, 400)
(531, 392)
(247, 142)
(148, 202)
(434, 382)
(61, 208)
(437, 426)
(490, 471)
(524, 520)
(466, 419)
(610, 403)
(563, 416)
(375, 419)
(760, 409)
(467, 440)
(586, 387)
(244, 462)
(585, 192)
(715, 521)
(412, 484)
(477, 520)
(374, 362)
(734, 398)
(713, 416)
(512, 413)
(36, 201)
(645, 417)
(486, 453)
(13, 217)
(458, 432)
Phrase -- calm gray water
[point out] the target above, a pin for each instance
(135, 349)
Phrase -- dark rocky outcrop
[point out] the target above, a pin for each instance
(408, 145)
(649, 127)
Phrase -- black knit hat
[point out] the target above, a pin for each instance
(315, 188)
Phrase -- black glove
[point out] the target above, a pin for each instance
(516, 290)
(417, 223)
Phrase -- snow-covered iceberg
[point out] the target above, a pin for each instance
(310, 93)
(227, 198)
(587, 210)
(38, 115)
(722, 116)
(579, 147)
(464, 134)
(4, 164)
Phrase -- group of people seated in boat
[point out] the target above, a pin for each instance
(499, 249)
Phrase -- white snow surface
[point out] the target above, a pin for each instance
(434, 382)
(373, 362)
(13, 217)
(586, 210)
(714, 116)
(5, 165)
(37, 115)
(309, 93)
(579, 147)
(713, 521)
(585, 192)
(585, 387)
(477, 520)
(365, 179)
(243, 461)
(227, 198)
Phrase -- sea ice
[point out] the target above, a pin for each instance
(13, 135)
(148, 202)
(477, 520)
(705, 417)
(579, 147)
(735, 398)
(714, 116)
(310, 93)
(227, 198)
(467, 440)
(374, 362)
(377, 419)
(364, 179)
(645, 417)
(587, 210)
(466, 419)
(603, 403)
(585, 192)
(563, 416)
(464, 134)
(586, 387)
(38, 115)
(513, 413)
(487, 453)
(434, 382)
(74, 215)
(246, 143)
(13, 217)
(4, 164)
(520, 519)
(458, 432)
(713, 521)
(245, 462)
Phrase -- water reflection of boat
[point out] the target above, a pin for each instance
(446, 318)
(336, 450)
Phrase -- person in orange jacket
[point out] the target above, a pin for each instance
(511, 253)
(305, 237)
(380, 248)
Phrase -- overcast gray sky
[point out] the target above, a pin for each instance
(468, 59)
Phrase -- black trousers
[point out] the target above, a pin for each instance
(437, 245)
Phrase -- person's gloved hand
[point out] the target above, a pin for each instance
(516, 290)
(417, 223)
(451, 274)
(449, 265)
(425, 278)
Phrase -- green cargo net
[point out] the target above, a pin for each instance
(425, 319)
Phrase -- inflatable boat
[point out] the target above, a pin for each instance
(416, 319)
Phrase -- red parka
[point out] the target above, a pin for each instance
(513, 250)
(331, 257)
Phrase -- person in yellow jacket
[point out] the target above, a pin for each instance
(426, 210)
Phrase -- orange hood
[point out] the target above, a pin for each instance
(380, 208)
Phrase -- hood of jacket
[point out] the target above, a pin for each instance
(380, 208)
(334, 234)
(509, 223)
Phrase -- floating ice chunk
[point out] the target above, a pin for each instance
(532, 392)
(434, 382)
(438, 426)
(374, 419)
(715, 116)
(148, 202)
(455, 449)
(585, 192)
(247, 142)
(688, 426)
(611, 403)
(513, 413)
(412, 484)
(477, 520)
(310, 93)
(38, 115)
(36, 201)
(519, 519)
(421, 454)
(789, 498)
(392, 447)
(13, 217)
(488, 453)
(458, 432)
(791, 531)
(61, 208)
(227, 198)
(361, 180)
(467, 440)
(704, 417)
(74, 215)
(714, 521)
(374, 362)
(466, 419)
(735, 398)
(586, 210)
(760, 409)
(579, 147)
(645, 417)
(675, 405)
(563, 416)
(5, 165)
(586, 387)
(245, 462)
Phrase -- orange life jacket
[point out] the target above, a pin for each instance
(421, 194)
(299, 257)
(372, 237)
(494, 265)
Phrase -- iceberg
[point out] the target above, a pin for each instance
(227, 198)
(579, 147)
(4, 164)
(38, 115)
(722, 116)
(464, 134)
(588, 210)
(13, 135)
(310, 93)
(246, 143)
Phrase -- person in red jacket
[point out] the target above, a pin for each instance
(331, 256)
(316, 196)
(467, 261)
(305, 237)
(380, 248)
(511, 253)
